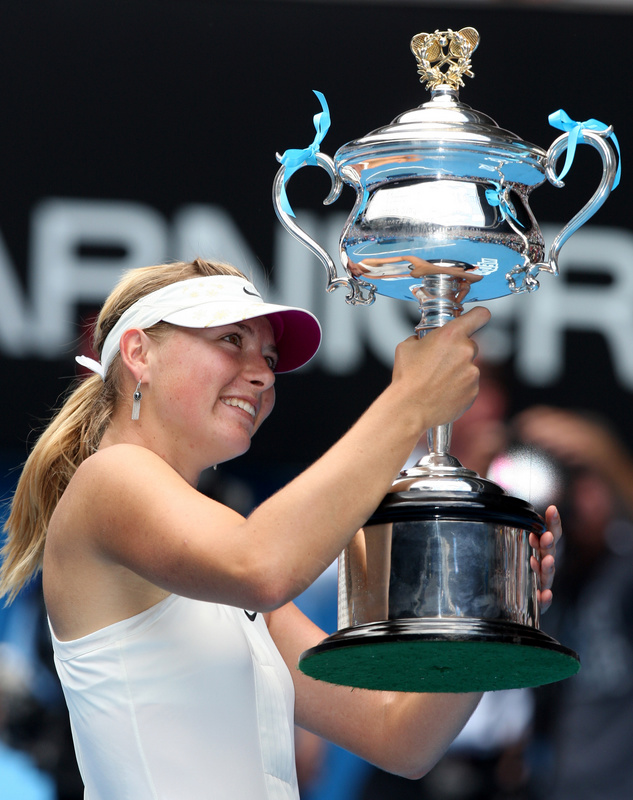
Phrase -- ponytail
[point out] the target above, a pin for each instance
(73, 435)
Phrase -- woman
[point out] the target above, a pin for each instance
(173, 629)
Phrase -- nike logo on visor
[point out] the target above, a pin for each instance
(252, 294)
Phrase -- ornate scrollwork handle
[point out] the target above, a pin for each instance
(599, 140)
(355, 287)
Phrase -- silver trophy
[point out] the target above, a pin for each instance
(437, 593)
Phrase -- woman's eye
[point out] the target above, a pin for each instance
(233, 338)
(272, 363)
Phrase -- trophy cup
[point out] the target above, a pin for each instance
(436, 593)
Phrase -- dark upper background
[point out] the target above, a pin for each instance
(169, 102)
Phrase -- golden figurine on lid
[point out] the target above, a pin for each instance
(439, 66)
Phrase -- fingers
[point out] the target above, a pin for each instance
(437, 371)
(544, 562)
(465, 325)
(545, 600)
(545, 576)
(454, 340)
(553, 523)
(548, 569)
(472, 320)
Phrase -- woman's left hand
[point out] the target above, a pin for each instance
(543, 563)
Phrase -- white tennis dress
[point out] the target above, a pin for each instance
(185, 701)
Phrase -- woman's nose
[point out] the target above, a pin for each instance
(260, 373)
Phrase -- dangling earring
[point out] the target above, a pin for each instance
(136, 401)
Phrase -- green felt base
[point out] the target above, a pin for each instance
(507, 658)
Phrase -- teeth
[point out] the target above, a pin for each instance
(243, 404)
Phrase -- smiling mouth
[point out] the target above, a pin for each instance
(239, 403)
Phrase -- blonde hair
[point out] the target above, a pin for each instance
(76, 430)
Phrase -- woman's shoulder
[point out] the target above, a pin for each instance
(103, 508)
(121, 453)
(117, 480)
(115, 462)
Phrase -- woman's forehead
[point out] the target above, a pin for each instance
(260, 328)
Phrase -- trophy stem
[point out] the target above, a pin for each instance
(439, 297)
(439, 439)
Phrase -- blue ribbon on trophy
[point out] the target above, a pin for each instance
(561, 120)
(499, 197)
(293, 159)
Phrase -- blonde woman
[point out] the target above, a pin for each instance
(173, 629)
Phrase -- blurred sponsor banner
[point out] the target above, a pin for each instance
(138, 132)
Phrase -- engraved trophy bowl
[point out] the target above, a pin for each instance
(436, 593)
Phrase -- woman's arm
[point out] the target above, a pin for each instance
(401, 733)
(133, 510)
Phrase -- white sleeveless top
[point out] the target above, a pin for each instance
(185, 701)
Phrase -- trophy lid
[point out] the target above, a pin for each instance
(456, 140)
(420, 494)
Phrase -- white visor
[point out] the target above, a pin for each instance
(209, 302)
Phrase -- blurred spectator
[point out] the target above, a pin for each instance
(584, 726)
(37, 758)
(20, 777)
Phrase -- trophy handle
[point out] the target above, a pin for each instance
(355, 287)
(596, 139)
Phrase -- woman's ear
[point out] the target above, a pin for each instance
(133, 347)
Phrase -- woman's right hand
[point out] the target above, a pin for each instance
(437, 373)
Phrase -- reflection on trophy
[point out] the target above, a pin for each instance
(437, 593)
